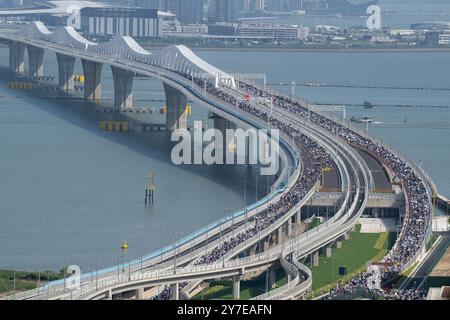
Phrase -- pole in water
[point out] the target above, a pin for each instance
(150, 189)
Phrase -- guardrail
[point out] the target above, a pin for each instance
(429, 184)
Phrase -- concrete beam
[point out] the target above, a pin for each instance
(236, 287)
(35, 61)
(16, 57)
(176, 116)
(66, 66)
(175, 291)
(92, 80)
(123, 87)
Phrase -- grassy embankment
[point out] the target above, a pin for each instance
(354, 255)
(24, 280)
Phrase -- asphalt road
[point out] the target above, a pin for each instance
(380, 176)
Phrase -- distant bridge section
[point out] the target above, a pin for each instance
(35, 37)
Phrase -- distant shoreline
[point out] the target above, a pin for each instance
(272, 49)
(329, 50)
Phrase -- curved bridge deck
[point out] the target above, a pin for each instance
(185, 74)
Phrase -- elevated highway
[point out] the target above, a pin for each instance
(186, 75)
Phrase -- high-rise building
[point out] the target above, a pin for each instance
(150, 4)
(224, 11)
(173, 6)
(192, 11)
(134, 22)
(284, 5)
(251, 6)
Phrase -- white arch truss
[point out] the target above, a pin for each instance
(179, 58)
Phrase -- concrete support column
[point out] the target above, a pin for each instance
(236, 287)
(266, 244)
(289, 227)
(272, 276)
(328, 251)
(35, 61)
(176, 116)
(227, 146)
(123, 87)
(338, 244)
(252, 250)
(92, 80)
(298, 217)
(109, 295)
(346, 236)
(16, 60)
(140, 294)
(66, 65)
(280, 235)
(315, 258)
(175, 291)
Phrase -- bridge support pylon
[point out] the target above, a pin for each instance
(92, 80)
(280, 235)
(315, 258)
(176, 115)
(139, 294)
(66, 65)
(328, 251)
(271, 277)
(227, 145)
(298, 217)
(289, 227)
(175, 291)
(236, 287)
(16, 59)
(35, 61)
(123, 87)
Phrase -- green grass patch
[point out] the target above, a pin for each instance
(24, 280)
(433, 239)
(354, 254)
(316, 222)
(379, 244)
(222, 290)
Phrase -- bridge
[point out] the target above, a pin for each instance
(325, 161)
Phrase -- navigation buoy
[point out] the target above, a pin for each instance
(124, 245)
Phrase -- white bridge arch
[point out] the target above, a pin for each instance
(177, 58)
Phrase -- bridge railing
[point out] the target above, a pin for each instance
(429, 184)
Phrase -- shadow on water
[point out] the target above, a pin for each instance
(151, 144)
